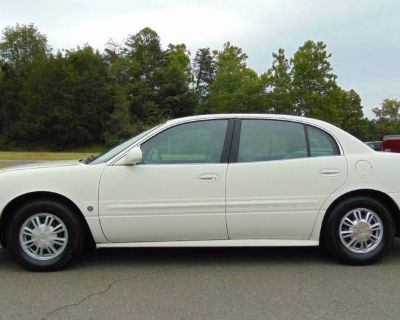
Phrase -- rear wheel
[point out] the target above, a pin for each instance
(359, 231)
(44, 236)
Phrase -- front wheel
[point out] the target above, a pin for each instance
(44, 236)
(359, 231)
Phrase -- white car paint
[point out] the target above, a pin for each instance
(76, 181)
(263, 198)
(156, 205)
(163, 202)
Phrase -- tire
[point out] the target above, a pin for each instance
(44, 222)
(355, 241)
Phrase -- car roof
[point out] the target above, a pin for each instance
(245, 115)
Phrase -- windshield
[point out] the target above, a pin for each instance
(115, 150)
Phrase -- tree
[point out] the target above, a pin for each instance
(389, 110)
(22, 48)
(91, 92)
(278, 82)
(146, 57)
(79, 97)
(204, 66)
(350, 111)
(313, 82)
(236, 87)
(175, 97)
(23, 44)
(387, 118)
(120, 72)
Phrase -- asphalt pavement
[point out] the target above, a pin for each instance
(203, 283)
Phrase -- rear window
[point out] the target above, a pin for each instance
(268, 140)
(321, 143)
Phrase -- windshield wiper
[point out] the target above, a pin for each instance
(88, 159)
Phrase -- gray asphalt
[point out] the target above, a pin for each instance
(203, 283)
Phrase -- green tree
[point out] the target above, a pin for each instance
(22, 48)
(175, 97)
(236, 87)
(118, 126)
(389, 110)
(387, 118)
(66, 101)
(78, 97)
(92, 101)
(278, 82)
(313, 82)
(146, 57)
(204, 66)
(350, 111)
(47, 119)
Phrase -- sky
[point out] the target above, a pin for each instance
(363, 36)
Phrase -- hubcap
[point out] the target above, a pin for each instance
(43, 236)
(361, 230)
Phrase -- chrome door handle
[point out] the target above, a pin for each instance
(329, 172)
(208, 177)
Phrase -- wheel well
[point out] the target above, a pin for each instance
(377, 195)
(28, 197)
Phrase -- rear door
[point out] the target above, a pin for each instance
(279, 176)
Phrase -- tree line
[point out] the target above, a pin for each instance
(79, 97)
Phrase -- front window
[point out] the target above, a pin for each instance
(193, 142)
(108, 155)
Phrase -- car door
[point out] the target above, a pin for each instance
(281, 173)
(176, 193)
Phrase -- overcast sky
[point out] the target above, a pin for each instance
(363, 36)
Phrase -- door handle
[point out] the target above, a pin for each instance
(208, 177)
(329, 172)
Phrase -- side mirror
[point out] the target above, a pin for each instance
(133, 156)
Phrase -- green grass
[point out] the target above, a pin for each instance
(38, 155)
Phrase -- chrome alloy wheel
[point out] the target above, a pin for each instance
(43, 236)
(361, 230)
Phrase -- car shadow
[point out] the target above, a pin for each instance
(221, 256)
(228, 256)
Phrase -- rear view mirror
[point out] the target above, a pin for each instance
(133, 156)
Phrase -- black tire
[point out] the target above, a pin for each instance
(74, 243)
(333, 244)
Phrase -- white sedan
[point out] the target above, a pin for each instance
(214, 180)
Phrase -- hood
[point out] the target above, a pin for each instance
(41, 164)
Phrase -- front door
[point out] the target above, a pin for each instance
(176, 193)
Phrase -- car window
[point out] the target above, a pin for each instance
(266, 140)
(321, 143)
(115, 150)
(194, 142)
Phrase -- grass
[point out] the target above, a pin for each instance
(35, 155)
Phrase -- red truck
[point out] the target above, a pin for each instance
(391, 143)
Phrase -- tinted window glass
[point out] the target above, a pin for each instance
(321, 143)
(114, 151)
(194, 142)
(265, 140)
